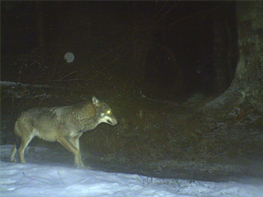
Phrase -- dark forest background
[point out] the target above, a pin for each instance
(183, 78)
(168, 50)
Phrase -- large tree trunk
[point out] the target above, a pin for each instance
(246, 89)
(225, 46)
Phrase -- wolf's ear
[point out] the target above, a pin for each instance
(95, 101)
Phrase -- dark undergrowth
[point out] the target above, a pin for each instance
(154, 137)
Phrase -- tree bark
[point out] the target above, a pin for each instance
(225, 46)
(246, 89)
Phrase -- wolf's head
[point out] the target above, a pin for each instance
(104, 113)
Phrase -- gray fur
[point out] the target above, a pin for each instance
(63, 124)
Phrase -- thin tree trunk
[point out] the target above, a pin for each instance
(40, 24)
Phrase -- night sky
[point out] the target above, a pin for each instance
(181, 38)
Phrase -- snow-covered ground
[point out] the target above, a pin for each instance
(40, 179)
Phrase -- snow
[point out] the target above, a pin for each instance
(9, 83)
(41, 179)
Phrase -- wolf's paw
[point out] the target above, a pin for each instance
(13, 160)
(84, 167)
(87, 167)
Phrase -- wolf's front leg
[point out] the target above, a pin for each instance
(72, 148)
(77, 160)
(82, 164)
(75, 142)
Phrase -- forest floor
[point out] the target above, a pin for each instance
(154, 137)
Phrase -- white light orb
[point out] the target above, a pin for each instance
(69, 57)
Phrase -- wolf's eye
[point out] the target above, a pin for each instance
(108, 112)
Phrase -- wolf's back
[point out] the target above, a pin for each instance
(41, 122)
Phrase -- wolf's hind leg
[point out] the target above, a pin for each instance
(25, 140)
(13, 154)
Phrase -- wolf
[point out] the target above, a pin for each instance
(62, 124)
